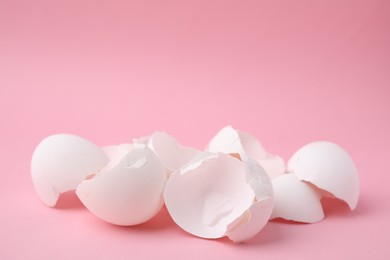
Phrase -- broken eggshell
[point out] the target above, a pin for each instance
(328, 167)
(212, 196)
(60, 162)
(295, 200)
(128, 193)
(172, 154)
(231, 141)
(254, 219)
(115, 153)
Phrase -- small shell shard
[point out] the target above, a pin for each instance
(219, 195)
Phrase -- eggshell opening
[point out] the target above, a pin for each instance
(330, 168)
(295, 200)
(230, 141)
(60, 162)
(172, 154)
(129, 193)
(208, 194)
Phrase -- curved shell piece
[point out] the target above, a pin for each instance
(208, 194)
(172, 154)
(231, 141)
(330, 168)
(129, 193)
(260, 211)
(60, 162)
(296, 200)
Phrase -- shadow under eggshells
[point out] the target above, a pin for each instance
(161, 221)
(338, 208)
(271, 233)
(69, 200)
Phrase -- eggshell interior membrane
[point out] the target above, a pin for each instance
(257, 178)
(129, 193)
(208, 194)
(254, 221)
(172, 154)
(60, 162)
(228, 140)
(296, 200)
(260, 211)
(330, 168)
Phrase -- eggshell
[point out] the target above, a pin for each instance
(260, 211)
(208, 194)
(115, 154)
(255, 219)
(60, 162)
(217, 195)
(129, 193)
(257, 178)
(230, 141)
(295, 200)
(328, 167)
(172, 154)
(273, 165)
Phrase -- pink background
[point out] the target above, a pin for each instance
(289, 72)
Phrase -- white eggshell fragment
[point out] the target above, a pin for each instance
(296, 200)
(172, 154)
(229, 140)
(60, 162)
(208, 194)
(115, 153)
(254, 221)
(129, 193)
(212, 196)
(330, 168)
(260, 211)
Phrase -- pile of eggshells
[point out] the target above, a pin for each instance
(232, 189)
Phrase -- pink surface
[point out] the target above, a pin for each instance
(289, 72)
